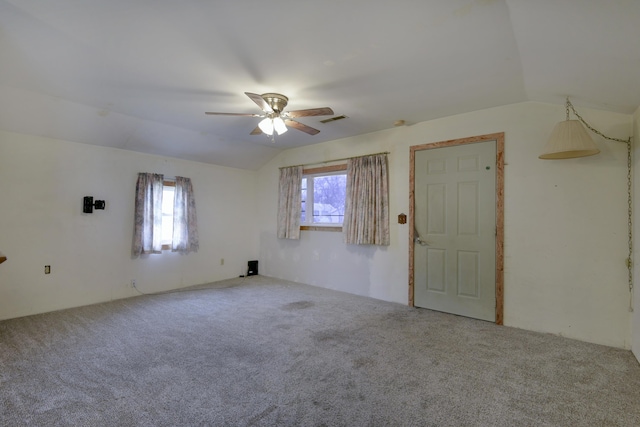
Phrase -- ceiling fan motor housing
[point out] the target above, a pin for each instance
(276, 101)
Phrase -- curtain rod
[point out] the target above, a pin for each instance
(334, 160)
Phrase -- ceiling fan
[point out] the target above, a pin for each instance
(274, 118)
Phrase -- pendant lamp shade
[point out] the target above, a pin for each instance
(569, 139)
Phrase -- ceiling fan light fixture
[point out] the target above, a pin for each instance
(279, 126)
(275, 119)
(266, 126)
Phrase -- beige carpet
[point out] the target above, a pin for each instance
(264, 352)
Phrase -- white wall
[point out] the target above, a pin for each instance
(565, 223)
(565, 227)
(635, 323)
(42, 183)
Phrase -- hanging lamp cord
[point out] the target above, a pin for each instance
(630, 221)
(570, 105)
(629, 260)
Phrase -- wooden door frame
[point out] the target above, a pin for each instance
(499, 138)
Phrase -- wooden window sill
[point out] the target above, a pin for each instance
(320, 228)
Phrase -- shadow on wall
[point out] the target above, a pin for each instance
(319, 258)
(368, 251)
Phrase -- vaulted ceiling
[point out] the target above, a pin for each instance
(139, 74)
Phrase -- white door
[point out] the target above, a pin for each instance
(455, 218)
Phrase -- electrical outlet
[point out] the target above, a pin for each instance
(47, 269)
(133, 283)
(221, 261)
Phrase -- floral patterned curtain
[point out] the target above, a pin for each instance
(366, 216)
(185, 226)
(290, 202)
(147, 233)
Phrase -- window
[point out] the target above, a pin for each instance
(170, 225)
(323, 198)
(168, 195)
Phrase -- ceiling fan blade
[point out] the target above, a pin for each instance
(232, 114)
(326, 111)
(301, 126)
(260, 102)
(256, 131)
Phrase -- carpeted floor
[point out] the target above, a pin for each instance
(265, 352)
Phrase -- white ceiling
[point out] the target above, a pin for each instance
(139, 74)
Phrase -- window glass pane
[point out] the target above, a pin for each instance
(167, 214)
(328, 198)
(304, 201)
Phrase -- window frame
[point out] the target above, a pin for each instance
(320, 171)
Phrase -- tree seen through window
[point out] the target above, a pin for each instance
(326, 193)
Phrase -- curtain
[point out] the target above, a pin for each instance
(185, 226)
(290, 202)
(147, 234)
(366, 216)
